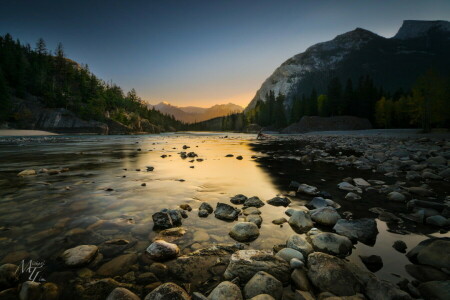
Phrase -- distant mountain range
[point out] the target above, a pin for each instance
(192, 114)
(392, 63)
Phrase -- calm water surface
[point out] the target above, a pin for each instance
(41, 216)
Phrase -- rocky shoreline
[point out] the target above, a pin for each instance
(311, 264)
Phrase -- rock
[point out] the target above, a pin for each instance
(118, 265)
(396, 196)
(437, 160)
(430, 175)
(438, 221)
(254, 219)
(296, 263)
(425, 204)
(432, 252)
(426, 273)
(186, 207)
(162, 250)
(251, 211)
(400, 246)
(50, 291)
(198, 296)
(331, 243)
(168, 291)
(373, 262)
(308, 189)
(8, 276)
(246, 263)
(80, 255)
(29, 172)
(303, 295)
(201, 236)
(244, 232)
(360, 182)
(436, 290)
(238, 199)
(170, 234)
(364, 230)
(225, 290)
(279, 201)
(263, 297)
(254, 202)
(327, 216)
(279, 221)
(203, 213)
(239, 157)
(297, 242)
(352, 196)
(445, 173)
(167, 218)
(300, 221)
(122, 294)
(317, 202)
(421, 191)
(349, 187)
(30, 290)
(380, 289)
(331, 274)
(300, 280)
(263, 283)
(226, 212)
(288, 253)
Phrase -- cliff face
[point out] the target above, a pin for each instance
(391, 62)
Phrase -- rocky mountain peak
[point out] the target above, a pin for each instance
(413, 28)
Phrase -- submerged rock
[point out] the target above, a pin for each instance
(80, 255)
(364, 230)
(246, 263)
(226, 212)
(244, 232)
(308, 189)
(118, 265)
(263, 283)
(167, 218)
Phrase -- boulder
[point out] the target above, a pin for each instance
(364, 230)
(254, 202)
(167, 218)
(263, 297)
(438, 221)
(300, 221)
(263, 283)
(300, 280)
(332, 243)
(226, 290)
(80, 255)
(168, 291)
(122, 294)
(327, 216)
(288, 253)
(299, 243)
(226, 212)
(426, 273)
(238, 199)
(206, 206)
(162, 250)
(279, 201)
(244, 232)
(432, 252)
(380, 289)
(308, 189)
(246, 263)
(254, 219)
(436, 290)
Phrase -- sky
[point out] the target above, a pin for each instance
(201, 53)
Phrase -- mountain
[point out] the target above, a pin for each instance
(392, 63)
(192, 114)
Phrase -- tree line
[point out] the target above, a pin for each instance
(59, 82)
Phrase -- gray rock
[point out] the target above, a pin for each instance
(296, 263)
(226, 212)
(246, 263)
(300, 280)
(317, 202)
(380, 289)
(436, 161)
(254, 219)
(263, 297)
(168, 291)
(167, 218)
(307, 189)
(327, 216)
(80, 255)
(203, 213)
(254, 202)
(438, 221)
(288, 253)
(251, 211)
(349, 187)
(364, 230)
(352, 196)
(332, 243)
(122, 294)
(360, 182)
(238, 199)
(299, 243)
(263, 283)
(279, 221)
(300, 221)
(432, 252)
(430, 175)
(396, 196)
(226, 290)
(244, 232)
(279, 201)
(436, 290)
(206, 206)
(162, 250)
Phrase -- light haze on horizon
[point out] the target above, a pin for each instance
(199, 53)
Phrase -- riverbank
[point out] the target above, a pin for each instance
(18, 132)
(297, 217)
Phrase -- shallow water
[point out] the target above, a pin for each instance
(41, 216)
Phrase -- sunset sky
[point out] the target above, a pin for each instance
(199, 52)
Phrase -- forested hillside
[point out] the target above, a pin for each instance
(36, 76)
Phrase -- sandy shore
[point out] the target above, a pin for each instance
(16, 132)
